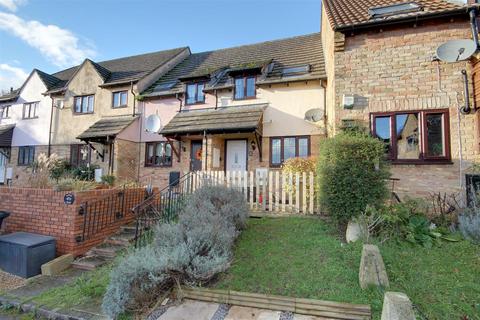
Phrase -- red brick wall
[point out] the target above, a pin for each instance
(44, 212)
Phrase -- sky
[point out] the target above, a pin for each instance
(52, 35)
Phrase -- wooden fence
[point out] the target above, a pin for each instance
(275, 191)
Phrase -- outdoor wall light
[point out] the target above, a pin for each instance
(253, 145)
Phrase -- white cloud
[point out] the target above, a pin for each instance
(11, 77)
(60, 46)
(12, 5)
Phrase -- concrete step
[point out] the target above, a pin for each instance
(122, 238)
(108, 250)
(89, 263)
(129, 228)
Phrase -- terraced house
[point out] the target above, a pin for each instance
(383, 72)
(244, 108)
(79, 114)
(24, 127)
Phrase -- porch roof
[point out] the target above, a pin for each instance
(222, 120)
(105, 128)
(6, 133)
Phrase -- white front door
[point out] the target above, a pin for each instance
(236, 155)
(3, 167)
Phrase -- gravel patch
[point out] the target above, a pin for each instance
(286, 315)
(221, 312)
(9, 281)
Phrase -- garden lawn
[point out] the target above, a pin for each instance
(303, 257)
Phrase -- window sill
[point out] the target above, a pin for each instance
(421, 162)
(120, 107)
(82, 113)
(195, 103)
(33, 118)
(158, 166)
(242, 99)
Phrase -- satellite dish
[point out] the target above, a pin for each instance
(153, 123)
(314, 115)
(456, 50)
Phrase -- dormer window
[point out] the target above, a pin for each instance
(245, 87)
(195, 93)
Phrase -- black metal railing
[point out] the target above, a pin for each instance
(160, 207)
(101, 214)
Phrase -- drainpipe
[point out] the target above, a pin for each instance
(177, 96)
(140, 131)
(50, 130)
(134, 98)
(466, 108)
(216, 100)
(206, 148)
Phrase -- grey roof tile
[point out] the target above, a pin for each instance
(106, 127)
(224, 119)
(289, 52)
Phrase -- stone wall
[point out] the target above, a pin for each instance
(391, 69)
(43, 211)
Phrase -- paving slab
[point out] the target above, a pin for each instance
(247, 313)
(189, 310)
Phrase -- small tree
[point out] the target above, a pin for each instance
(352, 174)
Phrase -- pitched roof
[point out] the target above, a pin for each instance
(49, 80)
(270, 56)
(225, 119)
(122, 70)
(10, 96)
(349, 13)
(106, 127)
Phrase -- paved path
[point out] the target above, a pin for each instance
(191, 309)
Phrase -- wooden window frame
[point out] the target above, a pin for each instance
(113, 99)
(76, 148)
(81, 102)
(423, 158)
(197, 101)
(21, 151)
(30, 104)
(155, 143)
(282, 155)
(245, 77)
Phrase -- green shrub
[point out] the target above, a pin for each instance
(351, 174)
(190, 251)
(469, 225)
(61, 169)
(84, 172)
(401, 222)
(108, 179)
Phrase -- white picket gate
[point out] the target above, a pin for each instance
(274, 192)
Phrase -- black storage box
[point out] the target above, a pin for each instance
(23, 253)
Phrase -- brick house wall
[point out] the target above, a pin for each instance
(43, 211)
(391, 69)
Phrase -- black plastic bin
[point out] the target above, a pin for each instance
(23, 253)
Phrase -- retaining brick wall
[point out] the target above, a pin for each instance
(43, 211)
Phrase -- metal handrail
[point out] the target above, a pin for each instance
(161, 206)
(101, 214)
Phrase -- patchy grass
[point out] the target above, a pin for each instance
(303, 257)
(87, 289)
(298, 257)
(444, 282)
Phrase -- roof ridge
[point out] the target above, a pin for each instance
(143, 54)
(261, 42)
